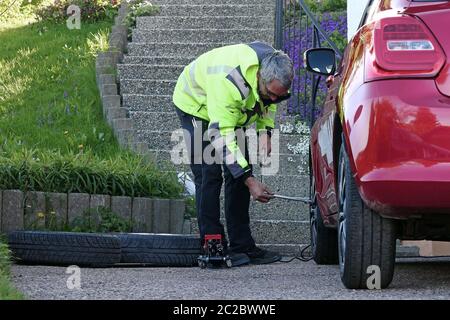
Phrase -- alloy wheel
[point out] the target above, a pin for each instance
(342, 209)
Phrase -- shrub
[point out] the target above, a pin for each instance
(91, 10)
(4, 256)
(100, 220)
(139, 8)
(13, 9)
(9, 9)
(124, 175)
(7, 292)
(297, 39)
(191, 208)
(326, 5)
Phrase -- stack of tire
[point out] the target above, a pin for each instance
(104, 250)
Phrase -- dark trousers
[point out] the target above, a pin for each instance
(208, 184)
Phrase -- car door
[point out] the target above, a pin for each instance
(323, 151)
(324, 142)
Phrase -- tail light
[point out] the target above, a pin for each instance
(402, 47)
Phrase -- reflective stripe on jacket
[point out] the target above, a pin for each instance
(221, 87)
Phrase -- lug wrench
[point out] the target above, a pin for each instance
(281, 197)
(298, 199)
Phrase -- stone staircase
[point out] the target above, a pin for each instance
(161, 46)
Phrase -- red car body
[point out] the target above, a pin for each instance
(392, 109)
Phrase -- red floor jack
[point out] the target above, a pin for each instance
(214, 255)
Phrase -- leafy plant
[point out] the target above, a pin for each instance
(298, 39)
(91, 10)
(191, 209)
(4, 256)
(139, 8)
(53, 137)
(326, 5)
(98, 42)
(100, 220)
(10, 9)
(84, 172)
(7, 292)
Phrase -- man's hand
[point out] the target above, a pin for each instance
(259, 191)
(265, 147)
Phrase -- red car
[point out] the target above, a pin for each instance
(380, 150)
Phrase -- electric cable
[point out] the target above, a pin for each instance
(300, 257)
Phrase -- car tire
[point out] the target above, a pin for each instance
(160, 249)
(64, 248)
(365, 239)
(324, 241)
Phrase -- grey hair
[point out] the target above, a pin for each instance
(277, 66)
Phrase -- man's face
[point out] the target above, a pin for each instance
(273, 91)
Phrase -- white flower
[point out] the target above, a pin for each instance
(302, 128)
(287, 128)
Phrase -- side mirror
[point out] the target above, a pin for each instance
(321, 61)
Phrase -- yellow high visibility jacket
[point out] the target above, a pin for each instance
(221, 87)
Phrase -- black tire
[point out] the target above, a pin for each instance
(64, 248)
(365, 238)
(324, 241)
(160, 250)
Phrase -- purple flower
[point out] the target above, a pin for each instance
(298, 37)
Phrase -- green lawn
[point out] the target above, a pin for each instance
(48, 95)
(50, 111)
(48, 98)
(7, 292)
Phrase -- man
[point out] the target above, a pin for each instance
(224, 90)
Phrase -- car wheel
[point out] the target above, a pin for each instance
(365, 239)
(160, 250)
(65, 248)
(324, 244)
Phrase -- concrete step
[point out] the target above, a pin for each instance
(276, 210)
(288, 165)
(146, 104)
(139, 103)
(221, 22)
(159, 61)
(274, 232)
(288, 144)
(289, 185)
(143, 71)
(157, 121)
(147, 87)
(173, 49)
(279, 209)
(257, 11)
(215, 2)
(203, 35)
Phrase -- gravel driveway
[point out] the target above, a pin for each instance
(414, 279)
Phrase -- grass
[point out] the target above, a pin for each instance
(50, 108)
(48, 94)
(7, 291)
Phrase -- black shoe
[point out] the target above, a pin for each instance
(238, 259)
(261, 256)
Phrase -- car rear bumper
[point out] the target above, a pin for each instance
(399, 143)
(407, 190)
